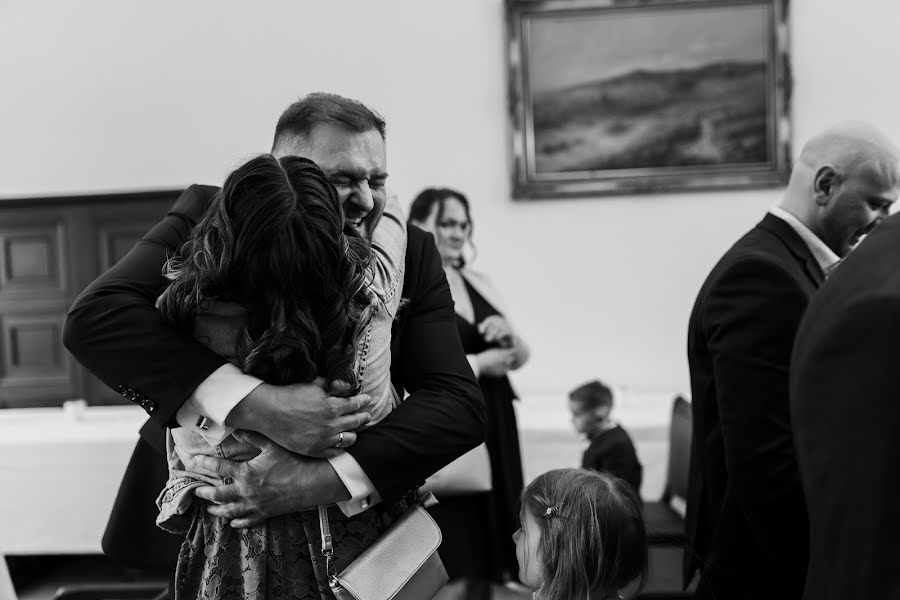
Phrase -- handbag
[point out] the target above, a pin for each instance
(402, 564)
(471, 472)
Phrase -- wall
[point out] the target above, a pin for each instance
(111, 95)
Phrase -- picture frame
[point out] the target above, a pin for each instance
(613, 97)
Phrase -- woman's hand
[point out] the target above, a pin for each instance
(497, 330)
(496, 362)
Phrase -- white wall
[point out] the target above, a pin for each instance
(114, 95)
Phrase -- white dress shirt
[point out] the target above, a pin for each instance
(824, 255)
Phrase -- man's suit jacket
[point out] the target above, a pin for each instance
(114, 329)
(845, 407)
(746, 520)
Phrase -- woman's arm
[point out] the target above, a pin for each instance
(498, 328)
(521, 352)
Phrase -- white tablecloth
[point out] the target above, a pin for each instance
(59, 475)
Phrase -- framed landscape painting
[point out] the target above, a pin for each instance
(618, 97)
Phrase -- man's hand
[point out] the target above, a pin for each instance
(302, 418)
(275, 482)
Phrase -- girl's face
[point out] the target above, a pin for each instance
(527, 540)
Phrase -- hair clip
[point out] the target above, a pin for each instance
(552, 511)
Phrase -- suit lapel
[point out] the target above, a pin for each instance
(796, 245)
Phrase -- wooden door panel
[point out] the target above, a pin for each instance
(50, 249)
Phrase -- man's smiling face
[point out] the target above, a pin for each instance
(355, 163)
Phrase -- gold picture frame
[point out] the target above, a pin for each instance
(615, 97)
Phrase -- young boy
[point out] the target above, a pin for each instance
(611, 449)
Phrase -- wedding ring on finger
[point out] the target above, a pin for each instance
(340, 442)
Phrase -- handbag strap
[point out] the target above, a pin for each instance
(327, 546)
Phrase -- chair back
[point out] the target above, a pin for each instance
(680, 431)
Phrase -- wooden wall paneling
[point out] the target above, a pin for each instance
(115, 229)
(50, 249)
(35, 291)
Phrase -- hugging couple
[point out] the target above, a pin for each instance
(272, 329)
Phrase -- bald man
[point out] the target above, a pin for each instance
(845, 412)
(747, 526)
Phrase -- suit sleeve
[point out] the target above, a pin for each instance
(846, 417)
(115, 331)
(444, 415)
(752, 317)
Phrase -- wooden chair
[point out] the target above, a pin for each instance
(665, 518)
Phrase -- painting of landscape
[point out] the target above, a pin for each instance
(651, 90)
(709, 115)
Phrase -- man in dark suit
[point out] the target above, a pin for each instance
(746, 522)
(846, 417)
(115, 330)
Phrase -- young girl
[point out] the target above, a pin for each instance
(582, 536)
(273, 281)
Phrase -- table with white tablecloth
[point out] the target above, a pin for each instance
(59, 473)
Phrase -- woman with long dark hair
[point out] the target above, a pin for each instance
(273, 280)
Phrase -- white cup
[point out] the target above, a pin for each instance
(74, 409)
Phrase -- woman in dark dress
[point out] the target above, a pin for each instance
(477, 527)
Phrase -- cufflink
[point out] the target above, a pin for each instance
(203, 423)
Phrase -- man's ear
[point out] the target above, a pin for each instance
(825, 181)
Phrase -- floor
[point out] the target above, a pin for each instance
(39, 579)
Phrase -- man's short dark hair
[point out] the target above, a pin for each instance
(299, 119)
(592, 395)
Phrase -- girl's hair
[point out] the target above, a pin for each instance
(593, 541)
(424, 203)
(273, 241)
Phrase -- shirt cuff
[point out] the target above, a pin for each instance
(207, 408)
(473, 362)
(363, 494)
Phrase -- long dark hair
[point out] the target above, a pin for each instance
(424, 203)
(593, 540)
(273, 241)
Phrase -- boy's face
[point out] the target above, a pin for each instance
(587, 420)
